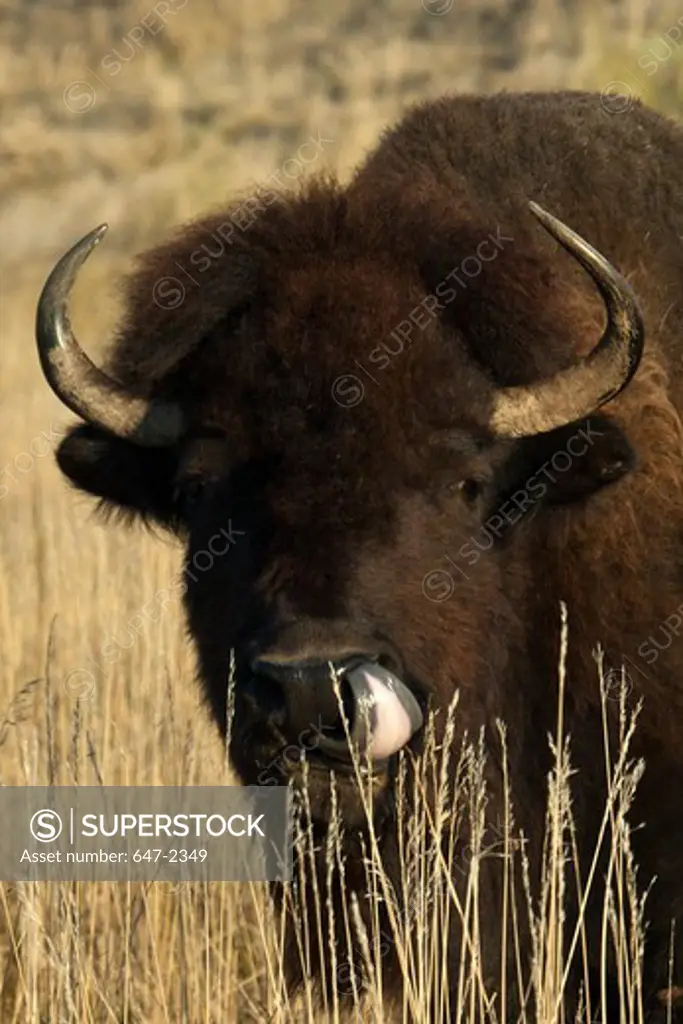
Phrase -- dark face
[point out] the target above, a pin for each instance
(384, 543)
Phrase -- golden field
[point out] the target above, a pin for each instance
(145, 116)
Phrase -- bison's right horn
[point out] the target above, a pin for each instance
(523, 411)
(76, 381)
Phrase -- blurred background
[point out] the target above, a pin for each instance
(143, 115)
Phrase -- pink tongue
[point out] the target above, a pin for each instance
(393, 712)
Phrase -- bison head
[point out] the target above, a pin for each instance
(332, 411)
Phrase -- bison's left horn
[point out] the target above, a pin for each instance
(80, 385)
(582, 388)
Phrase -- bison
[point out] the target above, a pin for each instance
(420, 407)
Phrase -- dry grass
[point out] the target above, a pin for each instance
(197, 952)
(216, 100)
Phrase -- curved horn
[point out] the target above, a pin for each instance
(582, 388)
(76, 381)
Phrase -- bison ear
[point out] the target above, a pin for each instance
(125, 476)
(576, 460)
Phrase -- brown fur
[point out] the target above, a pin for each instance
(346, 510)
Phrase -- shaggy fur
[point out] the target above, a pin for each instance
(345, 510)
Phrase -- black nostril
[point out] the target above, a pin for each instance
(283, 672)
(306, 695)
(266, 698)
(304, 673)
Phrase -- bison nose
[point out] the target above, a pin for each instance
(381, 712)
(308, 701)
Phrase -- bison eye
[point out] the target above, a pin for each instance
(470, 490)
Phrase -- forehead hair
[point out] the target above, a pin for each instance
(275, 312)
